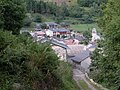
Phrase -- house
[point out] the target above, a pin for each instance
(65, 25)
(82, 61)
(51, 24)
(38, 27)
(49, 32)
(62, 32)
(81, 57)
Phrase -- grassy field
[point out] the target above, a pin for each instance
(85, 27)
(46, 18)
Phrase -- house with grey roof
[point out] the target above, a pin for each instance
(51, 24)
(81, 57)
(82, 61)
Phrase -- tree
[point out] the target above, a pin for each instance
(12, 13)
(27, 20)
(107, 61)
(26, 62)
(37, 18)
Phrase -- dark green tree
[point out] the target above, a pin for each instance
(12, 13)
(107, 59)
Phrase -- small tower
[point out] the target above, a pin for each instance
(94, 35)
(94, 32)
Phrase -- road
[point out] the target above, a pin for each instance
(78, 75)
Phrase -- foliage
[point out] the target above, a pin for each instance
(106, 60)
(44, 26)
(31, 65)
(88, 36)
(64, 72)
(84, 85)
(89, 3)
(27, 20)
(76, 11)
(12, 13)
(85, 13)
(37, 18)
(25, 62)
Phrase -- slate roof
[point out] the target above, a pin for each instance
(60, 44)
(63, 30)
(51, 23)
(56, 42)
(59, 30)
(81, 56)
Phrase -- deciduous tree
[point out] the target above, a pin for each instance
(12, 13)
(108, 60)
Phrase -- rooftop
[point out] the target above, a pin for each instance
(59, 30)
(81, 56)
(51, 23)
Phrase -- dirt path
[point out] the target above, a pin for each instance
(78, 75)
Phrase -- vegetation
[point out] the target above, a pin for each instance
(85, 13)
(89, 3)
(84, 85)
(32, 66)
(12, 13)
(64, 72)
(28, 65)
(25, 64)
(106, 58)
(85, 27)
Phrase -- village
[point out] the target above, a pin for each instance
(59, 45)
(66, 43)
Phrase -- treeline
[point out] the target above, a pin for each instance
(24, 64)
(106, 58)
(27, 65)
(91, 3)
(85, 11)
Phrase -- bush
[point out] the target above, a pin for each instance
(44, 26)
(28, 20)
(31, 66)
(64, 73)
(27, 63)
(37, 18)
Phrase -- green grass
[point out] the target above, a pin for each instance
(46, 18)
(95, 86)
(84, 85)
(84, 27)
(65, 73)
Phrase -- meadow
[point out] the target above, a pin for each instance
(85, 27)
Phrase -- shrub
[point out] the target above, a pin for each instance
(37, 18)
(28, 63)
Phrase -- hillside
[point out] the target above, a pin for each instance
(60, 2)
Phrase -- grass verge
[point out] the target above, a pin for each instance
(65, 73)
(84, 85)
(95, 86)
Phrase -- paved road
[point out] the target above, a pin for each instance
(78, 75)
